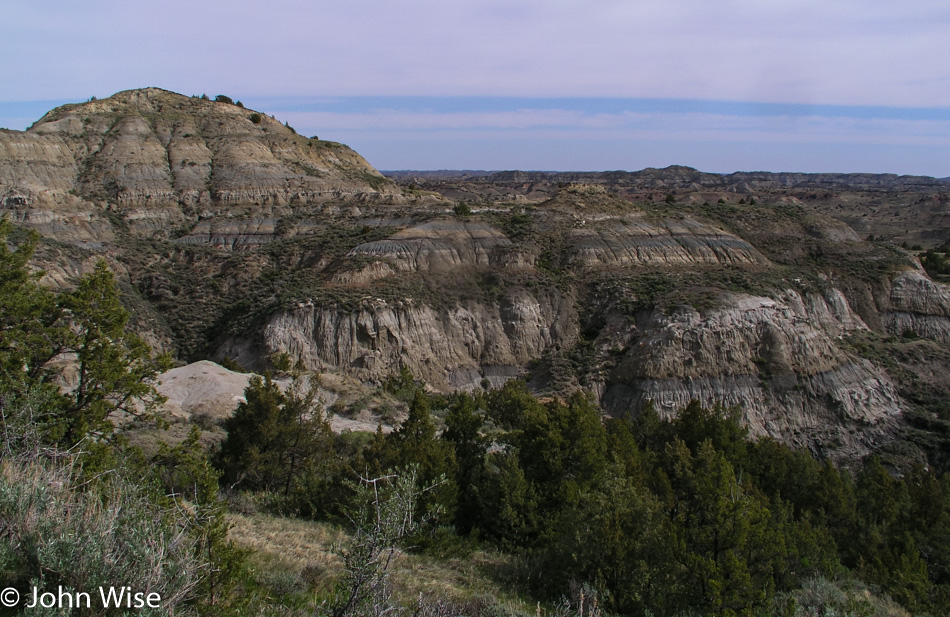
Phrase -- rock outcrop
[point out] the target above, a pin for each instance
(164, 161)
(776, 358)
(621, 242)
(202, 388)
(918, 307)
(451, 348)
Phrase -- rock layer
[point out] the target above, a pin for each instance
(776, 358)
(233, 236)
(918, 307)
(159, 157)
(621, 242)
(449, 348)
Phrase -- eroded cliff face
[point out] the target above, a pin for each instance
(450, 348)
(917, 306)
(779, 359)
(630, 241)
(440, 245)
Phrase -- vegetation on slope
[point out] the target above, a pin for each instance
(650, 517)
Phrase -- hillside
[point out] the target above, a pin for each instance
(161, 161)
(235, 238)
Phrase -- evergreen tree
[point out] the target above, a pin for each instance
(190, 482)
(31, 321)
(114, 370)
(509, 504)
(41, 332)
(617, 539)
(463, 426)
(274, 436)
(414, 443)
(723, 530)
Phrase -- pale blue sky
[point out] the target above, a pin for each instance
(794, 85)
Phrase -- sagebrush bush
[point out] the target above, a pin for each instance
(56, 532)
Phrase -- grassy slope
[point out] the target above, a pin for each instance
(299, 561)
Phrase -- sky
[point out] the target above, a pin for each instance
(728, 85)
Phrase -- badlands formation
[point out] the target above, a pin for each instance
(235, 238)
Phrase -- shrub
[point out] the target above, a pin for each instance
(256, 118)
(55, 533)
(383, 516)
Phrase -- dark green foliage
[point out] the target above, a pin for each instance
(415, 444)
(78, 507)
(720, 426)
(28, 312)
(403, 386)
(114, 370)
(516, 225)
(617, 538)
(672, 516)
(221, 98)
(274, 436)
(935, 263)
(255, 118)
(191, 484)
(508, 512)
(114, 367)
(684, 515)
(725, 535)
(463, 431)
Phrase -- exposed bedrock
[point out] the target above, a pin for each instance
(154, 156)
(779, 359)
(448, 348)
(918, 306)
(636, 242)
(437, 246)
(445, 245)
(776, 358)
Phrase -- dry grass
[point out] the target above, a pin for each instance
(292, 543)
(309, 550)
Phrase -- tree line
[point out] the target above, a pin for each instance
(659, 517)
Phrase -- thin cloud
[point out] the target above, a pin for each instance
(634, 125)
(846, 52)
